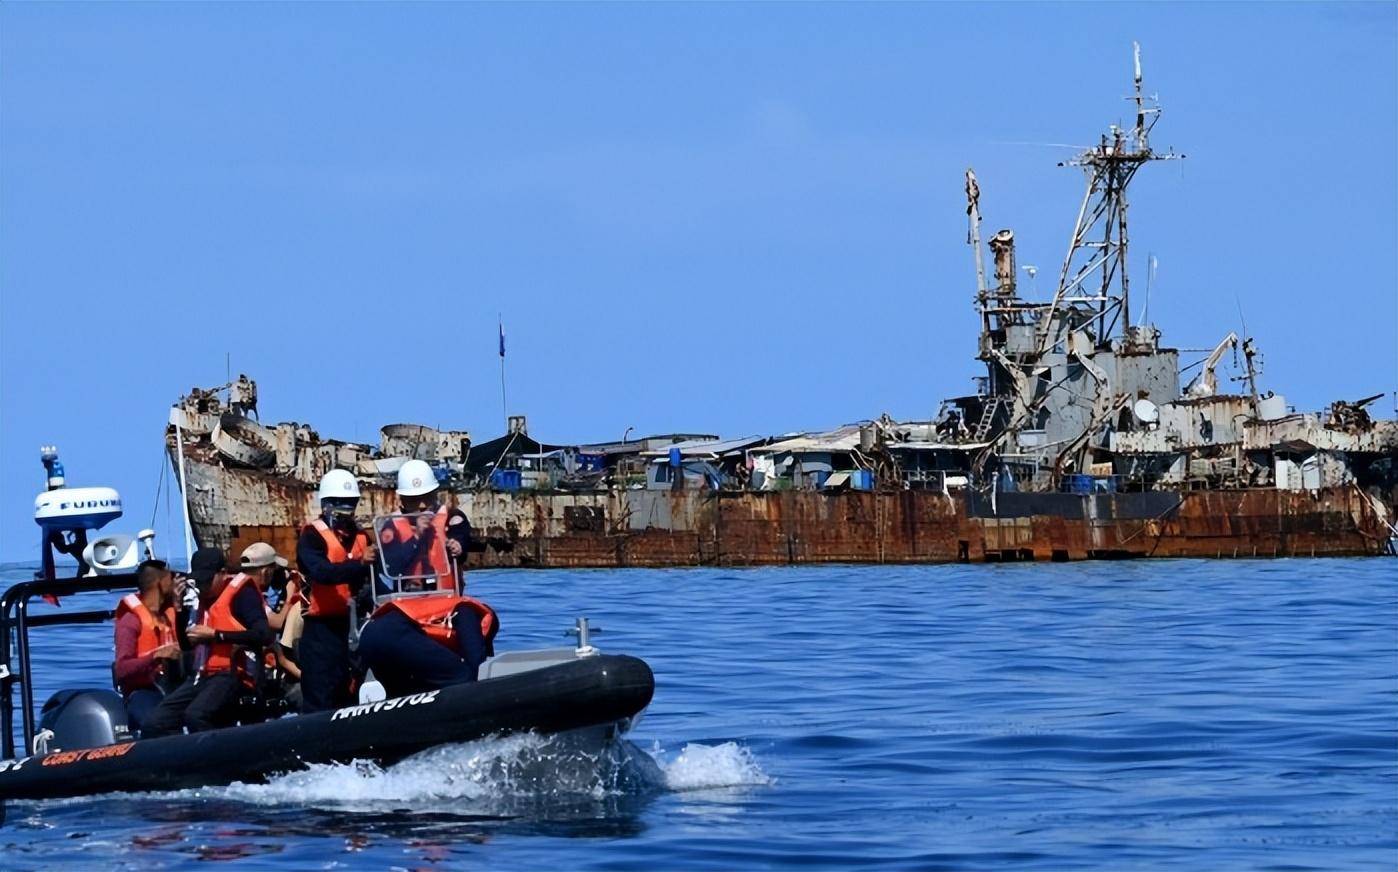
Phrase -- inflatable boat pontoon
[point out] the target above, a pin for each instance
(82, 746)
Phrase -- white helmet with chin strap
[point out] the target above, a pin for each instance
(416, 478)
(338, 484)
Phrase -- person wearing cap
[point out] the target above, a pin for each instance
(334, 555)
(147, 663)
(229, 642)
(208, 573)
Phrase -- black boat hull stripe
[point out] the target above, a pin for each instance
(592, 691)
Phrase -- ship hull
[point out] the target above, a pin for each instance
(232, 507)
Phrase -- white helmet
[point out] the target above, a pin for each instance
(338, 483)
(416, 478)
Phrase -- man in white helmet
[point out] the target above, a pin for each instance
(335, 556)
(432, 639)
(437, 536)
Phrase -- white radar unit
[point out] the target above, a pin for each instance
(65, 515)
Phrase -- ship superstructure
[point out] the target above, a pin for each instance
(1064, 374)
(1082, 440)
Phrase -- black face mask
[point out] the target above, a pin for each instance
(340, 511)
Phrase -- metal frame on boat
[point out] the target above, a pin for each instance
(15, 623)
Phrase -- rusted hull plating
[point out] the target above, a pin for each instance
(704, 528)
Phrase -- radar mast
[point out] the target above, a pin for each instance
(1093, 283)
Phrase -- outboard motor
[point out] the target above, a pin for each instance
(74, 719)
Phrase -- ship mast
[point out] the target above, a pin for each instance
(1099, 242)
(973, 239)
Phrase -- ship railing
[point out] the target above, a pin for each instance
(944, 480)
(15, 623)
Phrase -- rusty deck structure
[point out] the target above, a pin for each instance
(726, 528)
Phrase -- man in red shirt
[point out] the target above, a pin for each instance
(147, 661)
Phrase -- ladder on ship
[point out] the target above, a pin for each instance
(988, 412)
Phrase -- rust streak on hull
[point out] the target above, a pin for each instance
(706, 528)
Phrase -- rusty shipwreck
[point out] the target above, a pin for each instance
(1081, 441)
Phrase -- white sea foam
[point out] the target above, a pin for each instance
(499, 775)
(701, 767)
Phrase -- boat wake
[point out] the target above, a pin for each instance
(705, 767)
(510, 775)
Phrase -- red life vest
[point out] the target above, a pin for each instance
(433, 614)
(220, 617)
(153, 633)
(332, 600)
(435, 562)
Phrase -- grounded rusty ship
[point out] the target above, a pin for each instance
(1080, 442)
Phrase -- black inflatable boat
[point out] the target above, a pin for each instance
(84, 748)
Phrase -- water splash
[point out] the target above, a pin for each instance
(508, 775)
(703, 767)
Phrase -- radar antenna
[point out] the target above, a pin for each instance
(1099, 242)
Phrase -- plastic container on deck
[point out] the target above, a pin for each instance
(506, 479)
(1078, 483)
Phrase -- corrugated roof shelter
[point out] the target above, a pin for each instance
(843, 439)
(708, 448)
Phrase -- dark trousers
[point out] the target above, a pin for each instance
(201, 704)
(405, 660)
(323, 655)
(139, 705)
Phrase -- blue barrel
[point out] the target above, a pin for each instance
(1077, 483)
(506, 479)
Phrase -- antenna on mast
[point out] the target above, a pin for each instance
(1154, 262)
(1140, 105)
(973, 232)
(1099, 244)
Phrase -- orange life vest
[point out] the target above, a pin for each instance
(153, 633)
(332, 600)
(220, 617)
(433, 614)
(435, 562)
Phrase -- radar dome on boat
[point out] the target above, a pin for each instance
(77, 508)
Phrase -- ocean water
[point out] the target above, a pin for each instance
(1136, 715)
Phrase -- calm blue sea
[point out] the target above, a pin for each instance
(1143, 715)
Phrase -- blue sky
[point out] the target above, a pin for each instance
(725, 218)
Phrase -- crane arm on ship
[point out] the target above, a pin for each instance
(1205, 384)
